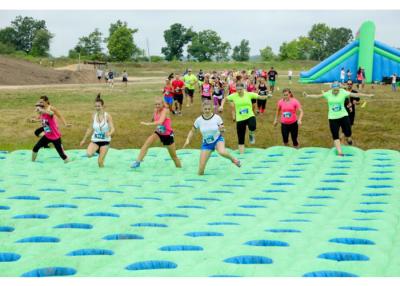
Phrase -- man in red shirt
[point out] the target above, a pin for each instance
(178, 86)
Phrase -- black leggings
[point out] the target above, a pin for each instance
(293, 130)
(261, 103)
(38, 132)
(336, 124)
(241, 128)
(44, 141)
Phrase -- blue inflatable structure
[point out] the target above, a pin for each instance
(376, 58)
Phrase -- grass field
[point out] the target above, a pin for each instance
(375, 125)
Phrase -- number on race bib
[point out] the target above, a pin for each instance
(161, 128)
(336, 107)
(47, 129)
(244, 111)
(287, 114)
(100, 135)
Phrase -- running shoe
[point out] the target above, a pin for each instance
(237, 163)
(341, 155)
(135, 164)
(350, 142)
(252, 138)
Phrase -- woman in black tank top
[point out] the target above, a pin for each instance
(262, 90)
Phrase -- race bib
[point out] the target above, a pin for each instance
(47, 129)
(287, 114)
(161, 128)
(209, 139)
(337, 107)
(244, 111)
(100, 135)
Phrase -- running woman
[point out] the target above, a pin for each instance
(206, 89)
(178, 86)
(288, 107)
(200, 77)
(251, 87)
(163, 131)
(272, 78)
(244, 114)
(47, 115)
(262, 89)
(351, 102)
(168, 93)
(190, 82)
(211, 128)
(218, 94)
(102, 128)
(337, 115)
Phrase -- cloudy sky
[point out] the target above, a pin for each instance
(261, 28)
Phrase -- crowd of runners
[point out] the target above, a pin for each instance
(247, 93)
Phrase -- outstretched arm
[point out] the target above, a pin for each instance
(363, 94)
(189, 137)
(59, 115)
(162, 118)
(89, 130)
(111, 124)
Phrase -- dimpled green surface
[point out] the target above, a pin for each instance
(293, 208)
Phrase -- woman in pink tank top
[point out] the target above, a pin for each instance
(288, 107)
(47, 116)
(163, 131)
(206, 89)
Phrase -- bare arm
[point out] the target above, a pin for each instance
(299, 121)
(363, 94)
(276, 115)
(59, 115)
(313, 95)
(89, 130)
(111, 124)
(189, 137)
(162, 118)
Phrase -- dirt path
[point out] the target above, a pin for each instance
(132, 80)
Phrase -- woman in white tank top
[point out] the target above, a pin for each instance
(102, 128)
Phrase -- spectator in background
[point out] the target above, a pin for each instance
(111, 78)
(363, 80)
(394, 82)
(360, 77)
(99, 74)
(290, 75)
(342, 75)
(125, 78)
(349, 74)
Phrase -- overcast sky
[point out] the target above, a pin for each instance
(261, 28)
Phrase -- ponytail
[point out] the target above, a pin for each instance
(98, 99)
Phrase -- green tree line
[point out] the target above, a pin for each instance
(30, 36)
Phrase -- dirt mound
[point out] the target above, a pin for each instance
(20, 72)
